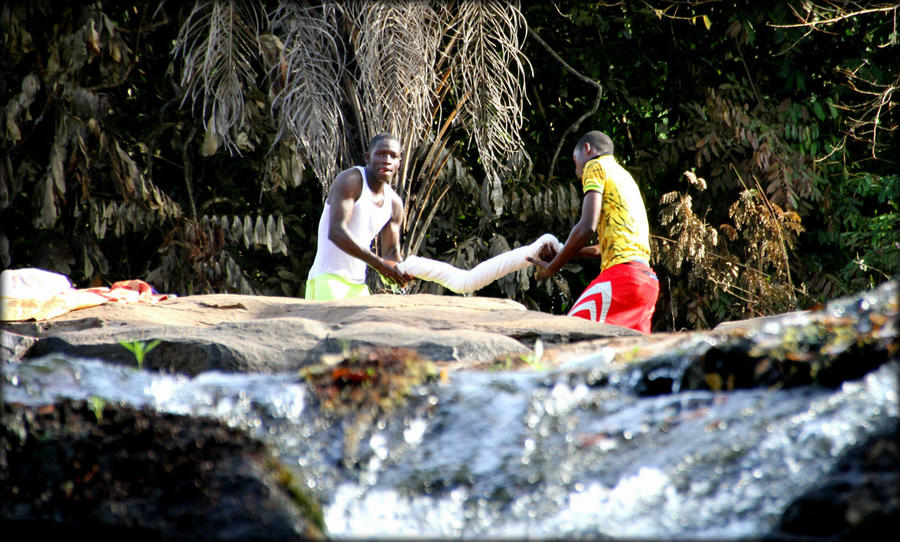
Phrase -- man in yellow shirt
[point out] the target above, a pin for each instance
(626, 290)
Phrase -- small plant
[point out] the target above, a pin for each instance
(534, 360)
(97, 404)
(311, 508)
(140, 349)
(505, 365)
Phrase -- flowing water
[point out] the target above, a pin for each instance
(522, 454)
(571, 452)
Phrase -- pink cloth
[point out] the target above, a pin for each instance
(129, 291)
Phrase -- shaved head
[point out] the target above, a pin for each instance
(599, 142)
(381, 137)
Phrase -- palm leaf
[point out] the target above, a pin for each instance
(395, 49)
(219, 45)
(489, 69)
(307, 85)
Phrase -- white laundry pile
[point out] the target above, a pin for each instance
(32, 293)
(37, 294)
(461, 281)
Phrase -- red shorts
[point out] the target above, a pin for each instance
(623, 295)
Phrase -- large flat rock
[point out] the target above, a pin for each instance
(239, 333)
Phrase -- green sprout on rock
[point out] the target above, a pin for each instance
(140, 349)
(97, 403)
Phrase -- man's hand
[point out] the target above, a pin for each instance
(542, 270)
(547, 253)
(545, 256)
(389, 271)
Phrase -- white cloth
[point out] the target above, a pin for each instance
(34, 283)
(32, 293)
(461, 281)
(365, 223)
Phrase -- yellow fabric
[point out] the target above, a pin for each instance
(16, 309)
(328, 287)
(623, 231)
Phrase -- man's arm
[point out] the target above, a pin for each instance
(389, 240)
(345, 190)
(579, 236)
(590, 251)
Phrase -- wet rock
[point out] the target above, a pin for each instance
(858, 500)
(844, 341)
(138, 473)
(14, 345)
(87, 470)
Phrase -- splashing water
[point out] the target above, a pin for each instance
(522, 454)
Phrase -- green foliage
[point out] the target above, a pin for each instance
(140, 349)
(126, 191)
(97, 404)
(867, 222)
(532, 359)
(109, 173)
(759, 111)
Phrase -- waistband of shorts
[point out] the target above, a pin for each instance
(324, 277)
(641, 265)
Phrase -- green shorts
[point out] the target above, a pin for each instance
(327, 287)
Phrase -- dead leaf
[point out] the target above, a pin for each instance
(93, 41)
(233, 306)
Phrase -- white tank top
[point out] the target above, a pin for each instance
(365, 223)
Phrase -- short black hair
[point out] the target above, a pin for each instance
(381, 137)
(599, 141)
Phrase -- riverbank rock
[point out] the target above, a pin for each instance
(98, 467)
(88, 471)
(858, 499)
(238, 333)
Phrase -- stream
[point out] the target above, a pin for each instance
(500, 454)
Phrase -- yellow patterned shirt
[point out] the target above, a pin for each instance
(623, 232)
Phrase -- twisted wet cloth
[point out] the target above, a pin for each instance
(463, 281)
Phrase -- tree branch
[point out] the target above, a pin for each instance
(577, 74)
(572, 128)
(559, 59)
(841, 16)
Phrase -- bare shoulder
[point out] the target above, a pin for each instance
(347, 184)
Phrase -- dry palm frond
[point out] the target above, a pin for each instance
(436, 169)
(17, 108)
(193, 256)
(447, 171)
(489, 68)
(219, 46)
(396, 52)
(306, 77)
(259, 232)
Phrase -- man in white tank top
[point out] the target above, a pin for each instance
(360, 205)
